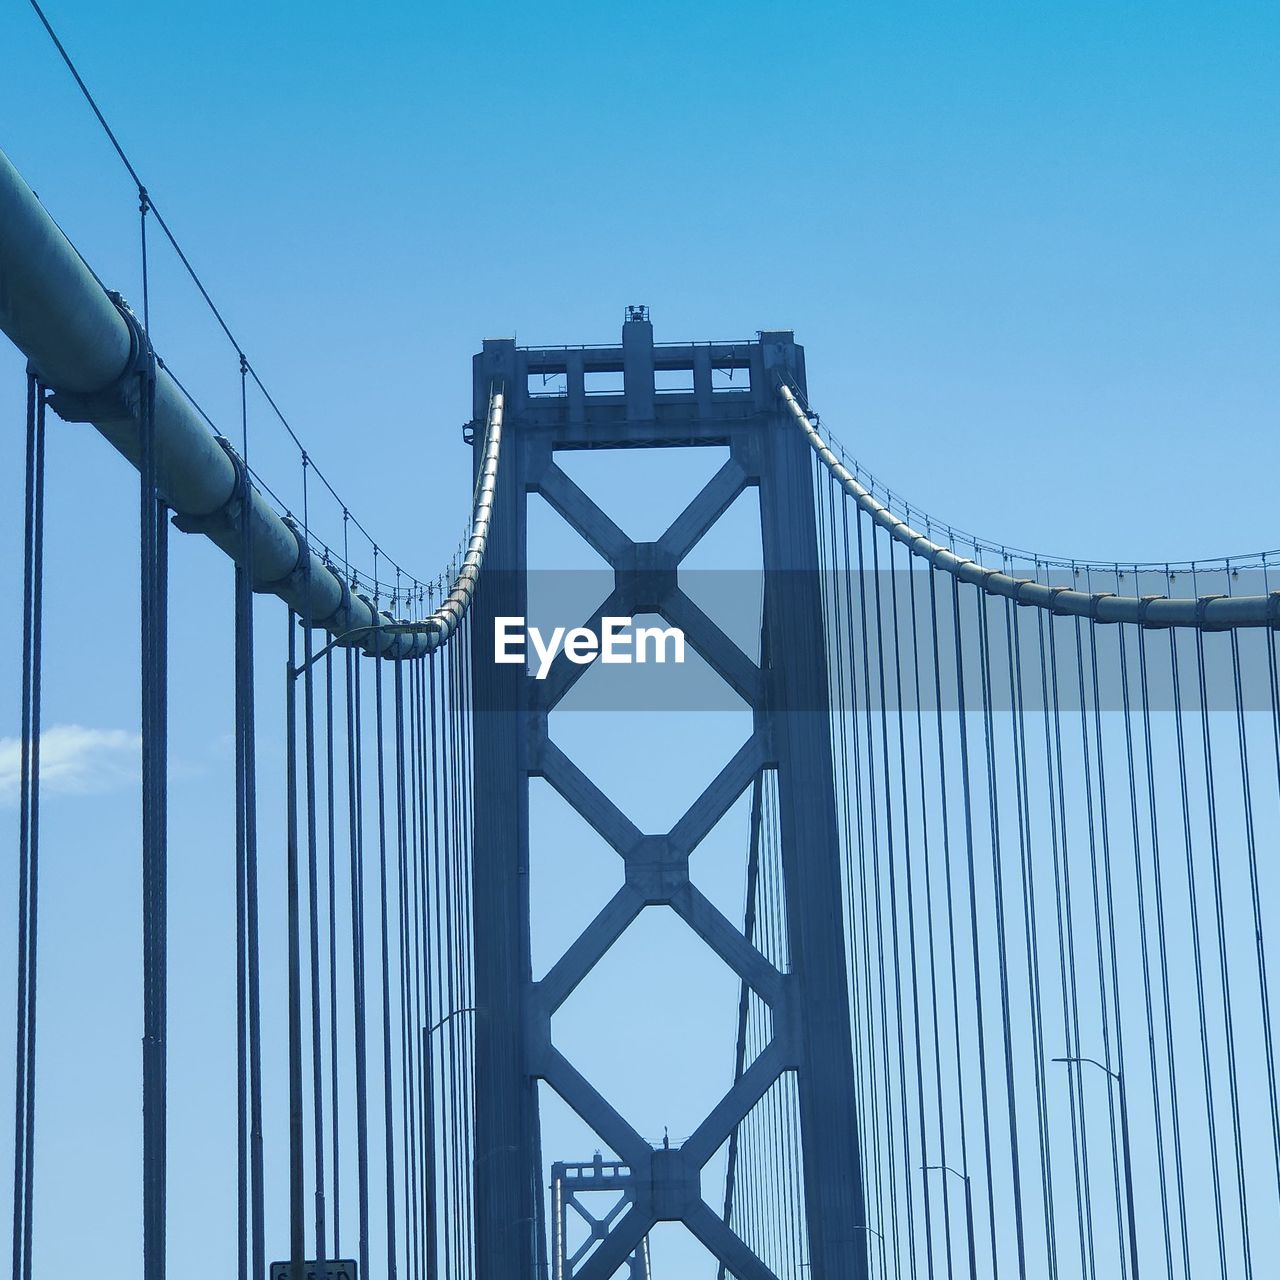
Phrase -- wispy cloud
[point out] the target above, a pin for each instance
(74, 759)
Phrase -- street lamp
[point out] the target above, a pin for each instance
(871, 1231)
(1118, 1079)
(448, 1017)
(968, 1210)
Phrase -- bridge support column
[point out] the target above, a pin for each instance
(506, 1162)
(797, 704)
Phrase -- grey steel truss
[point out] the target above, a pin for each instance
(791, 734)
(570, 1183)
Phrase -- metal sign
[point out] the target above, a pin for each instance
(337, 1270)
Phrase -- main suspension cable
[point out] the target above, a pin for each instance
(1207, 611)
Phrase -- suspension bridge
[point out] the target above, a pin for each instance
(1006, 823)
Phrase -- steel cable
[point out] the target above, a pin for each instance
(1099, 941)
(911, 950)
(388, 1101)
(248, 981)
(1193, 903)
(313, 891)
(29, 832)
(1162, 939)
(1229, 1030)
(1031, 930)
(1141, 897)
(975, 959)
(355, 818)
(1215, 610)
(873, 828)
(153, 611)
(997, 877)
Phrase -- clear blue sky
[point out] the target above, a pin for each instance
(1030, 249)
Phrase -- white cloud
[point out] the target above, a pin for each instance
(74, 759)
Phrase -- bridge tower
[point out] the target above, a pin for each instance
(788, 695)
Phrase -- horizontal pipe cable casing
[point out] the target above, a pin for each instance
(1210, 613)
(88, 350)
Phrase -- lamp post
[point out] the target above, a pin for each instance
(968, 1210)
(448, 1017)
(1118, 1079)
(871, 1231)
(429, 1189)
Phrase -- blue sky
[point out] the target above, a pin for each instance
(1030, 250)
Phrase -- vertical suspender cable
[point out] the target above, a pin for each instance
(777, 1165)
(891, 859)
(433, 1196)
(1268, 1040)
(774, 950)
(468, 1022)
(424, 1198)
(1124, 1171)
(1157, 876)
(944, 814)
(154, 714)
(997, 878)
(1193, 904)
(930, 933)
(405, 991)
(1013, 633)
(966, 792)
(28, 832)
(297, 1223)
(313, 886)
(332, 825)
(466, 994)
(410, 1011)
(355, 783)
(744, 994)
(1099, 938)
(427, 1112)
(419, 1018)
(446, 1202)
(242, 977)
(874, 831)
(839, 628)
(388, 1100)
(1066, 935)
(858, 712)
(463, 890)
(446, 1003)
(249, 1021)
(457, 1024)
(864, 823)
(912, 952)
(1109, 974)
(1139, 883)
(1215, 863)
